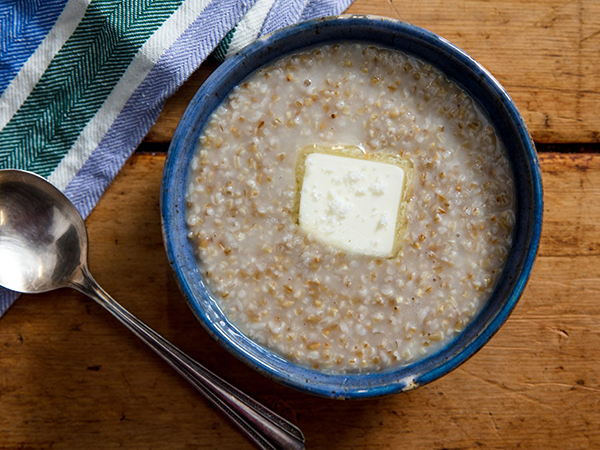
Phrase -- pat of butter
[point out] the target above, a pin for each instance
(352, 203)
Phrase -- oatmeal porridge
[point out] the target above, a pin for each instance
(313, 303)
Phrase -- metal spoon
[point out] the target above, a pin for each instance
(43, 246)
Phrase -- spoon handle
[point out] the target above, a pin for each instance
(266, 429)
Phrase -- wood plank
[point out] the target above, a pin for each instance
(544, 53)
(572, 205)
(72, 377)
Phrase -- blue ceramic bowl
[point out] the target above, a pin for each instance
(457, 65)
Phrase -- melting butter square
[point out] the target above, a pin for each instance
(351, 203)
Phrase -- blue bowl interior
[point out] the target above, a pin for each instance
(455, 64)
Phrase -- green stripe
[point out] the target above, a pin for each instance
(220, 53)
(78, 81)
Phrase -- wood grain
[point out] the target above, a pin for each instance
(72, 377)
(543, 52)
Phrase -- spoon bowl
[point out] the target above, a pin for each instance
(43, 240)
(43, 246)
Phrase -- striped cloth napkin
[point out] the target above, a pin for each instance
(82, 81)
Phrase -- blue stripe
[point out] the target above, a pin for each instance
(282, 14)
(6, 299)
(23, 26)
(321, 8)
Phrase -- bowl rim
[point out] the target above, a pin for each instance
(191, 284)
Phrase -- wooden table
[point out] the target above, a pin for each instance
(72, 377)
